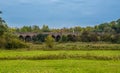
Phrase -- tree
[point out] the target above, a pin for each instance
(118, 21)
(75, 29)
(88, 28)
(85, 36)
(41, 37)
(103, 26)
(45, 28)
(35, 28)
(106, 37)
(2, 29)
(118, 26)
(3, 26)
(26, 29)
(93, 37)
(113, 26)
(49, 41)
(71, 37)
(63, 38)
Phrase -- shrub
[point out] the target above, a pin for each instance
(85, 36)
(3, 29)
(41, 37)
(71, 38)
(49, 41)
(14, 44)
(63, 38)
(106, 37)
(9, 41)
(2, 42)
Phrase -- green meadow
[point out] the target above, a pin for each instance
(59, 66)
(93, 58)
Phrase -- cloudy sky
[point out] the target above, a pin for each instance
(59, 13)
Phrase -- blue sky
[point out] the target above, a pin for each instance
(59, 13)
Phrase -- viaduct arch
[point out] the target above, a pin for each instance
(28, 36)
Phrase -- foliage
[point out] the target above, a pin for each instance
(26, 29)
(71, 38)
(50, 41)
(41, 37)
(35, 28)
(85, 36)
(105, 32)
(2, 29)
(2, 42)
(45, 28)
(7, 39)
(63, 38)
(3, 26)
(14, 44)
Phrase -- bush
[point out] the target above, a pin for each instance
(3, 29)
(2, 42)
(85, 36)
(14, 44)
(41, 37)
(63, 38)
(9, 41)
(71, 38)
(49, 41)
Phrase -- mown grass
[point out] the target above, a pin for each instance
(59, 66)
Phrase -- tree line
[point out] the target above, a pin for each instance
(111, 27)
(105, 32)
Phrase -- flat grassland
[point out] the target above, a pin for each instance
(59, 66)
(64, 58)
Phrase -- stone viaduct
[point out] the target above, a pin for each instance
(28, 36)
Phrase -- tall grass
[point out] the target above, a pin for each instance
(63, 58)
(76, 46)
(48, 55)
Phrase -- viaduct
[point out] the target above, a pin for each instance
(28, 36)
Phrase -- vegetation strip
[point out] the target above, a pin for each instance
(61, 56)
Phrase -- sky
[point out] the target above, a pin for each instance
(59, 13)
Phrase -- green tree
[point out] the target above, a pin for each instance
(2, 29)
(26, 29)
(63, 38)
(118, 26)
(41, 37)
(35, 28)
(113, 26)
(50, 41)
(45, 28)
(85, 36)
(88, 28)
(3, 26)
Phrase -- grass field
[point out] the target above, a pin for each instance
(77, 46)
(59, 66)
(40, 55)
(78, 60)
